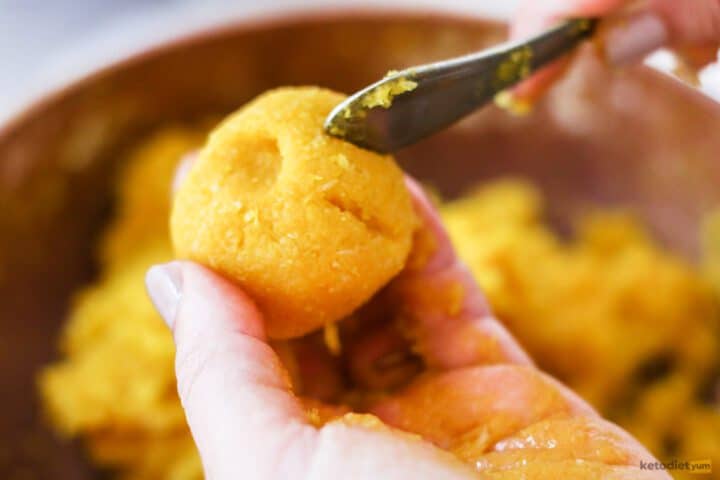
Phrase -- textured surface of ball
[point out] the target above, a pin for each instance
(310, 226)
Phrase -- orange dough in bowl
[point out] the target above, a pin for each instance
(310, 226)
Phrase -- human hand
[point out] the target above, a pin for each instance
(633, 30)
(248, 423)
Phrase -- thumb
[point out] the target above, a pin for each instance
(236, 394)
(634, 30)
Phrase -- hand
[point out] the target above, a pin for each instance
(634, 29)
(247, 423)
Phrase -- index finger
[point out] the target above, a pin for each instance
(532, 17)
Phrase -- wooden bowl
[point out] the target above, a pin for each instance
(633, 137)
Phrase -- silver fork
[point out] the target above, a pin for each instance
(411, 104)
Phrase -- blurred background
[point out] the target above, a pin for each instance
(44, 43)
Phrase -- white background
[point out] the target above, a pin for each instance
(47, 43)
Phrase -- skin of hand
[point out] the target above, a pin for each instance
(247, 423)
(631, 31)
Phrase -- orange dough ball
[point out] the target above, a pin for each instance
(308, 225)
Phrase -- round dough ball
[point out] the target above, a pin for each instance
(308, 225)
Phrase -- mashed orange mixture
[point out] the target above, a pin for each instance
(628, 325)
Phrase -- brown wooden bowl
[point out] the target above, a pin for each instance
(633, 137)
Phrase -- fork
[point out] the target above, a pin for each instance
(409, 105)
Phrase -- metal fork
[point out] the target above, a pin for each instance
(411, 104)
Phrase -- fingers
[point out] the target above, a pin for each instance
(508, 417)
(634, 30)
(533, 17)
(442, 310)
(630, 38)
(501, 399)
(235, 392)
(587, 437)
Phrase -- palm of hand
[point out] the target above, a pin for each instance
(443, 389)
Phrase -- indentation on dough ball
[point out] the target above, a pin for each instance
(348, 206)
(259, 163)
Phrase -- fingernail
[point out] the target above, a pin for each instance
(634, 39)
(182, 170)
(164, 286)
